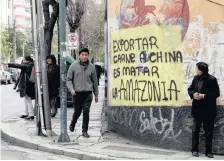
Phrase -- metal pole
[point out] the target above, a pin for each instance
(44, 69)
(63, 89)
(39, 112)
(14, 30)
(106, 49)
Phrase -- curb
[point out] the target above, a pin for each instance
(81, 155)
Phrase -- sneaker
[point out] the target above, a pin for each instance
(195, 154)
(71, 128)
(30, 118)
(23, 116)
(85, 134)
(209, 155)
(53, 114)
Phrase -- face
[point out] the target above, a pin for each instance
(198, 72)
(84, 56)
(25, 61)
(49, 61)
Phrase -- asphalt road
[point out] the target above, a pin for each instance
(10, 152)
(11, 103)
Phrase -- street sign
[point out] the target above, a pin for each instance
(73, 41)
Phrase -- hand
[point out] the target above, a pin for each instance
(73, 92)
(3, 63)
(196, 96)
(201, 96)
(96, 99)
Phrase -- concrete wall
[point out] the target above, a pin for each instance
(163, 127)
(161, 116)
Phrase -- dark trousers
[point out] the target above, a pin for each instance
(82, 102)
(208, 125)
(53, 103)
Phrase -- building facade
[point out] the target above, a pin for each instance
(153, 48)
(16, 12)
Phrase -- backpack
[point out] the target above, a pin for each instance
(32, 75)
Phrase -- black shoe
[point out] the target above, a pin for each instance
(17, 90)
(209, 155)
(72, 128)
(30, 118)
(195, 154)
(23, 116)
(14, 88)
(85, 134)
(53, 114)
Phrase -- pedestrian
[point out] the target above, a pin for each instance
(27, 87)
(82, 82)
(99, 71)
(53, 75)
(204, 91)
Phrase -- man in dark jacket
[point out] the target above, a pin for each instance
(204, 91)
(82, 82)
(53, 74)
(27, 88)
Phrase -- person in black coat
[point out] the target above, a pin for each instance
(99, 71)
(53, 74)
(204, 91)
(27, 88)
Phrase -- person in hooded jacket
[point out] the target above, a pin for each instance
(204, 91)
(27, 88)
(53, 74)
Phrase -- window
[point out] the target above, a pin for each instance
(27, 10)
(28, 19)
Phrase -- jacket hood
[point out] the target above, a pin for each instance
(53, 58)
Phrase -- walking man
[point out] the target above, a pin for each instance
(82, 82)
(204, 91)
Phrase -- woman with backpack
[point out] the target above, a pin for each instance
(26, 84)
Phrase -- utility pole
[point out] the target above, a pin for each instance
(63, 89)
(38, 100)
(106, 48)
(46, 101)
(14, 30)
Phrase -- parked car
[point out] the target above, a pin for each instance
(5, 75)
(15, 73)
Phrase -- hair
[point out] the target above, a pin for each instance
(28, 58)
(84, 50)
(202, 66)
(53, 58)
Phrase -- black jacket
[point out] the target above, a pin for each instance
(53, 75)
(26, 87)
(205, 108)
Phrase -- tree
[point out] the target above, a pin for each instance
(93, 29)
(7, 44)
(75, 10)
